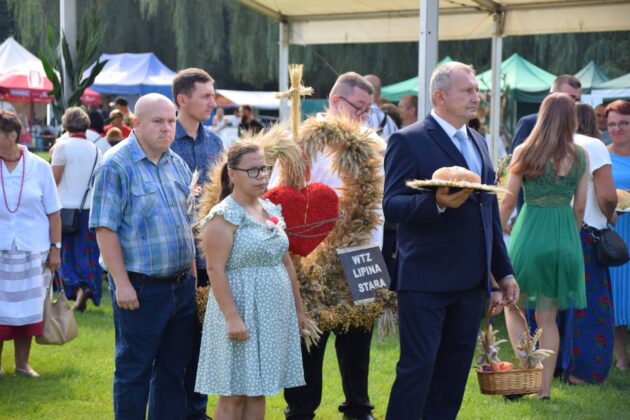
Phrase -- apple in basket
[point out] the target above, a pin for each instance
(503, 366)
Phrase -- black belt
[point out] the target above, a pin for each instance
(169, 279)
(590, 229)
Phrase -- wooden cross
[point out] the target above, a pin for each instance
(295, 92)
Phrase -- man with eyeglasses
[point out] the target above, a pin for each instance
(350, 97)
(565, 83)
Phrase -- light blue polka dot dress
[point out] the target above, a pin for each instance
(270, 360)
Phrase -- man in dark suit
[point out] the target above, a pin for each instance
(448, 244)
(565, 83)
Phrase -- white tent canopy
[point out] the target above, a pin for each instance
(351, 21)
(259, 100)
(13, 54)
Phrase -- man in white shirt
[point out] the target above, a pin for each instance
(376, 118)
(351, 96)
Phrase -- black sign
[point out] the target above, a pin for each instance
(365, 271)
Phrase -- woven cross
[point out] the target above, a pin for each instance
(295, 92)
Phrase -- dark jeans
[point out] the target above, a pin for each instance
(153, 346)
(197, 403)
(353, 356)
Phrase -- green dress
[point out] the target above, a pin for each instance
(271, 359)
(545, 246)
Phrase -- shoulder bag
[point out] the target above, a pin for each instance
(70, 217)
(611, 249)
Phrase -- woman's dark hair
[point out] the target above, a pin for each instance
(234, 155)
(9, 122)
(97, 123)
(587, 120)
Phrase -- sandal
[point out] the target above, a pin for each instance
(30, 372)
(82, 305)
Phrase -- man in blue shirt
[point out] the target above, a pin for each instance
(201, 149)
(144, 234)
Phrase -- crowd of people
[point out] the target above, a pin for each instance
(135, 189)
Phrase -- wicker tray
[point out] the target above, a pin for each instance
(509, 382)
(434, 183)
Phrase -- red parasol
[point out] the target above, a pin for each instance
(28, 82)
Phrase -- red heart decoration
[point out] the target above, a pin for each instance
(310, 214)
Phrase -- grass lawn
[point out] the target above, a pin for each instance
(43, 155)
(76, 384)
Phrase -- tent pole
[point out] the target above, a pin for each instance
(68, 27)
(427, 53)
(495, 92)
(283, 69)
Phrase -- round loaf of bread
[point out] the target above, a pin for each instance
(623, 199)
(455, 174)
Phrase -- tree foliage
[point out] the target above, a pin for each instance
(239, 47)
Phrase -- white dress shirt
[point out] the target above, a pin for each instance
(28, 227)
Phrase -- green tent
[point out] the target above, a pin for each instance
(618, 88)
(527, 82)
(396, 91)
(590, 76)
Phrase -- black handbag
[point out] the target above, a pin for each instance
(610, 248)
(70, 217)
(70, 220)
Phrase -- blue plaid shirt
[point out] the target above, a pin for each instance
(199, 154)
(145, 204)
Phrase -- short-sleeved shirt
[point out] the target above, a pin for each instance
(598, 156)
(381, 122)
(77, 156)
(254, 126)
(146, 206)
(27, 227)
(201, 153)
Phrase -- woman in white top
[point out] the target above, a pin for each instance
(30, 240)
(73, 165)
(591, 350)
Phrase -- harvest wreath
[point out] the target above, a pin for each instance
(356, 160)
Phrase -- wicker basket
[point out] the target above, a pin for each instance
(509, 382)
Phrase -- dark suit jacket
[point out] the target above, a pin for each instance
(524, 128)
(452, 251)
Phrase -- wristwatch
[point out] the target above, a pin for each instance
(55, 245)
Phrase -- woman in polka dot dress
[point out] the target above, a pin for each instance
(250, 346)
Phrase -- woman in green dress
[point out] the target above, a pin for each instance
(250, 346)
(545, 245)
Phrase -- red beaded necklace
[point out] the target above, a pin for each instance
(4, 194)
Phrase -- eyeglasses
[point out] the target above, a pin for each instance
(255, 172)
(359, 111)
(622, 125)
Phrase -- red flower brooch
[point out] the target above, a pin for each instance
(273, 223)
